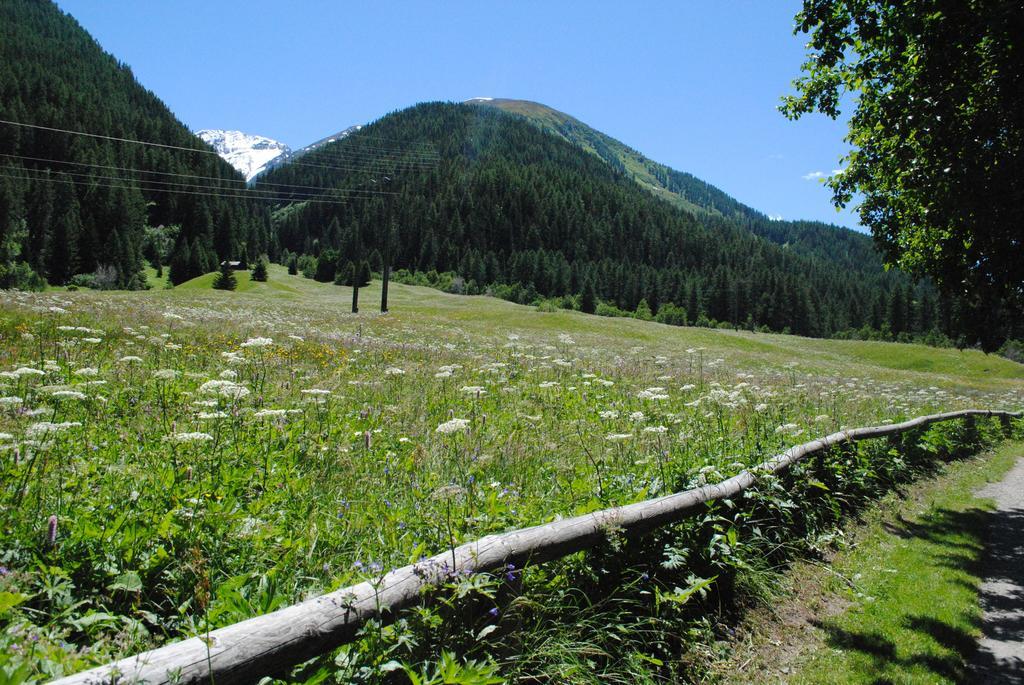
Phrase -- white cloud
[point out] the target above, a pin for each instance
(813, 175)
(775, 217)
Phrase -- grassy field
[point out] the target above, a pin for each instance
(914, 611)
(174, 460)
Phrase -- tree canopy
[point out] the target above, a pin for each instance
(937, 136)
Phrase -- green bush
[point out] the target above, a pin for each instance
(225, 279)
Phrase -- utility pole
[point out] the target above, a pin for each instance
(390, 245)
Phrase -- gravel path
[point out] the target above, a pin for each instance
(1001, 651)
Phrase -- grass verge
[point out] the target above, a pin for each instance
(898, 605)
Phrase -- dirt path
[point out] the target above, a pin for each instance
(1000, 656)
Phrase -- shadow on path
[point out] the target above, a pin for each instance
(988, 546)
(1000, 656)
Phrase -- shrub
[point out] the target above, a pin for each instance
(225, 280)
(670, 314)
(259, 272)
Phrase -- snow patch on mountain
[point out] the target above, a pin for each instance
(292, 155)
(248, 153)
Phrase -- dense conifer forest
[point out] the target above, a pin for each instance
(89, 210)
(514, 210)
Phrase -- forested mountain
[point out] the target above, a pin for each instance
(510, 204)
(850, 248)
(72, 205)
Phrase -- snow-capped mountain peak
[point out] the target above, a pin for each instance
(248, 153)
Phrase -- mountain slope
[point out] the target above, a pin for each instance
(520, 209)
(249, 154)
(689, 192)
(680, 188)
(293, 155)
(77, 204)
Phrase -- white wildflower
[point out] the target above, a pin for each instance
(224, 388)
(68, 395)
(609, 414)
(45, 428)
(272, 413)
(258, 342)
(130, 359)
(11, 401)
(189, 437)
(453, 426)
(394, 371)
(165, 374)
(28, 371)
(618, 437)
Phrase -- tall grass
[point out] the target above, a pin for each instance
(168, 466)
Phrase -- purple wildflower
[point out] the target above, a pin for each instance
(51, 533)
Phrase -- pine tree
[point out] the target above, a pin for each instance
(346, 274)
(259, 271)
(588, 298)
(643, 311)
(181, 259)
(365, 275)
(326, 266)
(225, 279)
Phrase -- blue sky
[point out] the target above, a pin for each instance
(694, 85)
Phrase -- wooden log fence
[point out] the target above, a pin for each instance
(269, 644)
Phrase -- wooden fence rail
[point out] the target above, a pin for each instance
(269, 644)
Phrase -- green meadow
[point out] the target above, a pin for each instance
(177, 460)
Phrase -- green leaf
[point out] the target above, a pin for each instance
(9, 600)
(485, 632)
(128, 581)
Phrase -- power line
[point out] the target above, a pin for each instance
(182, 192)
(357, 156)
(241, 192)
(159, 173)
(138, 142)
(369, 167)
